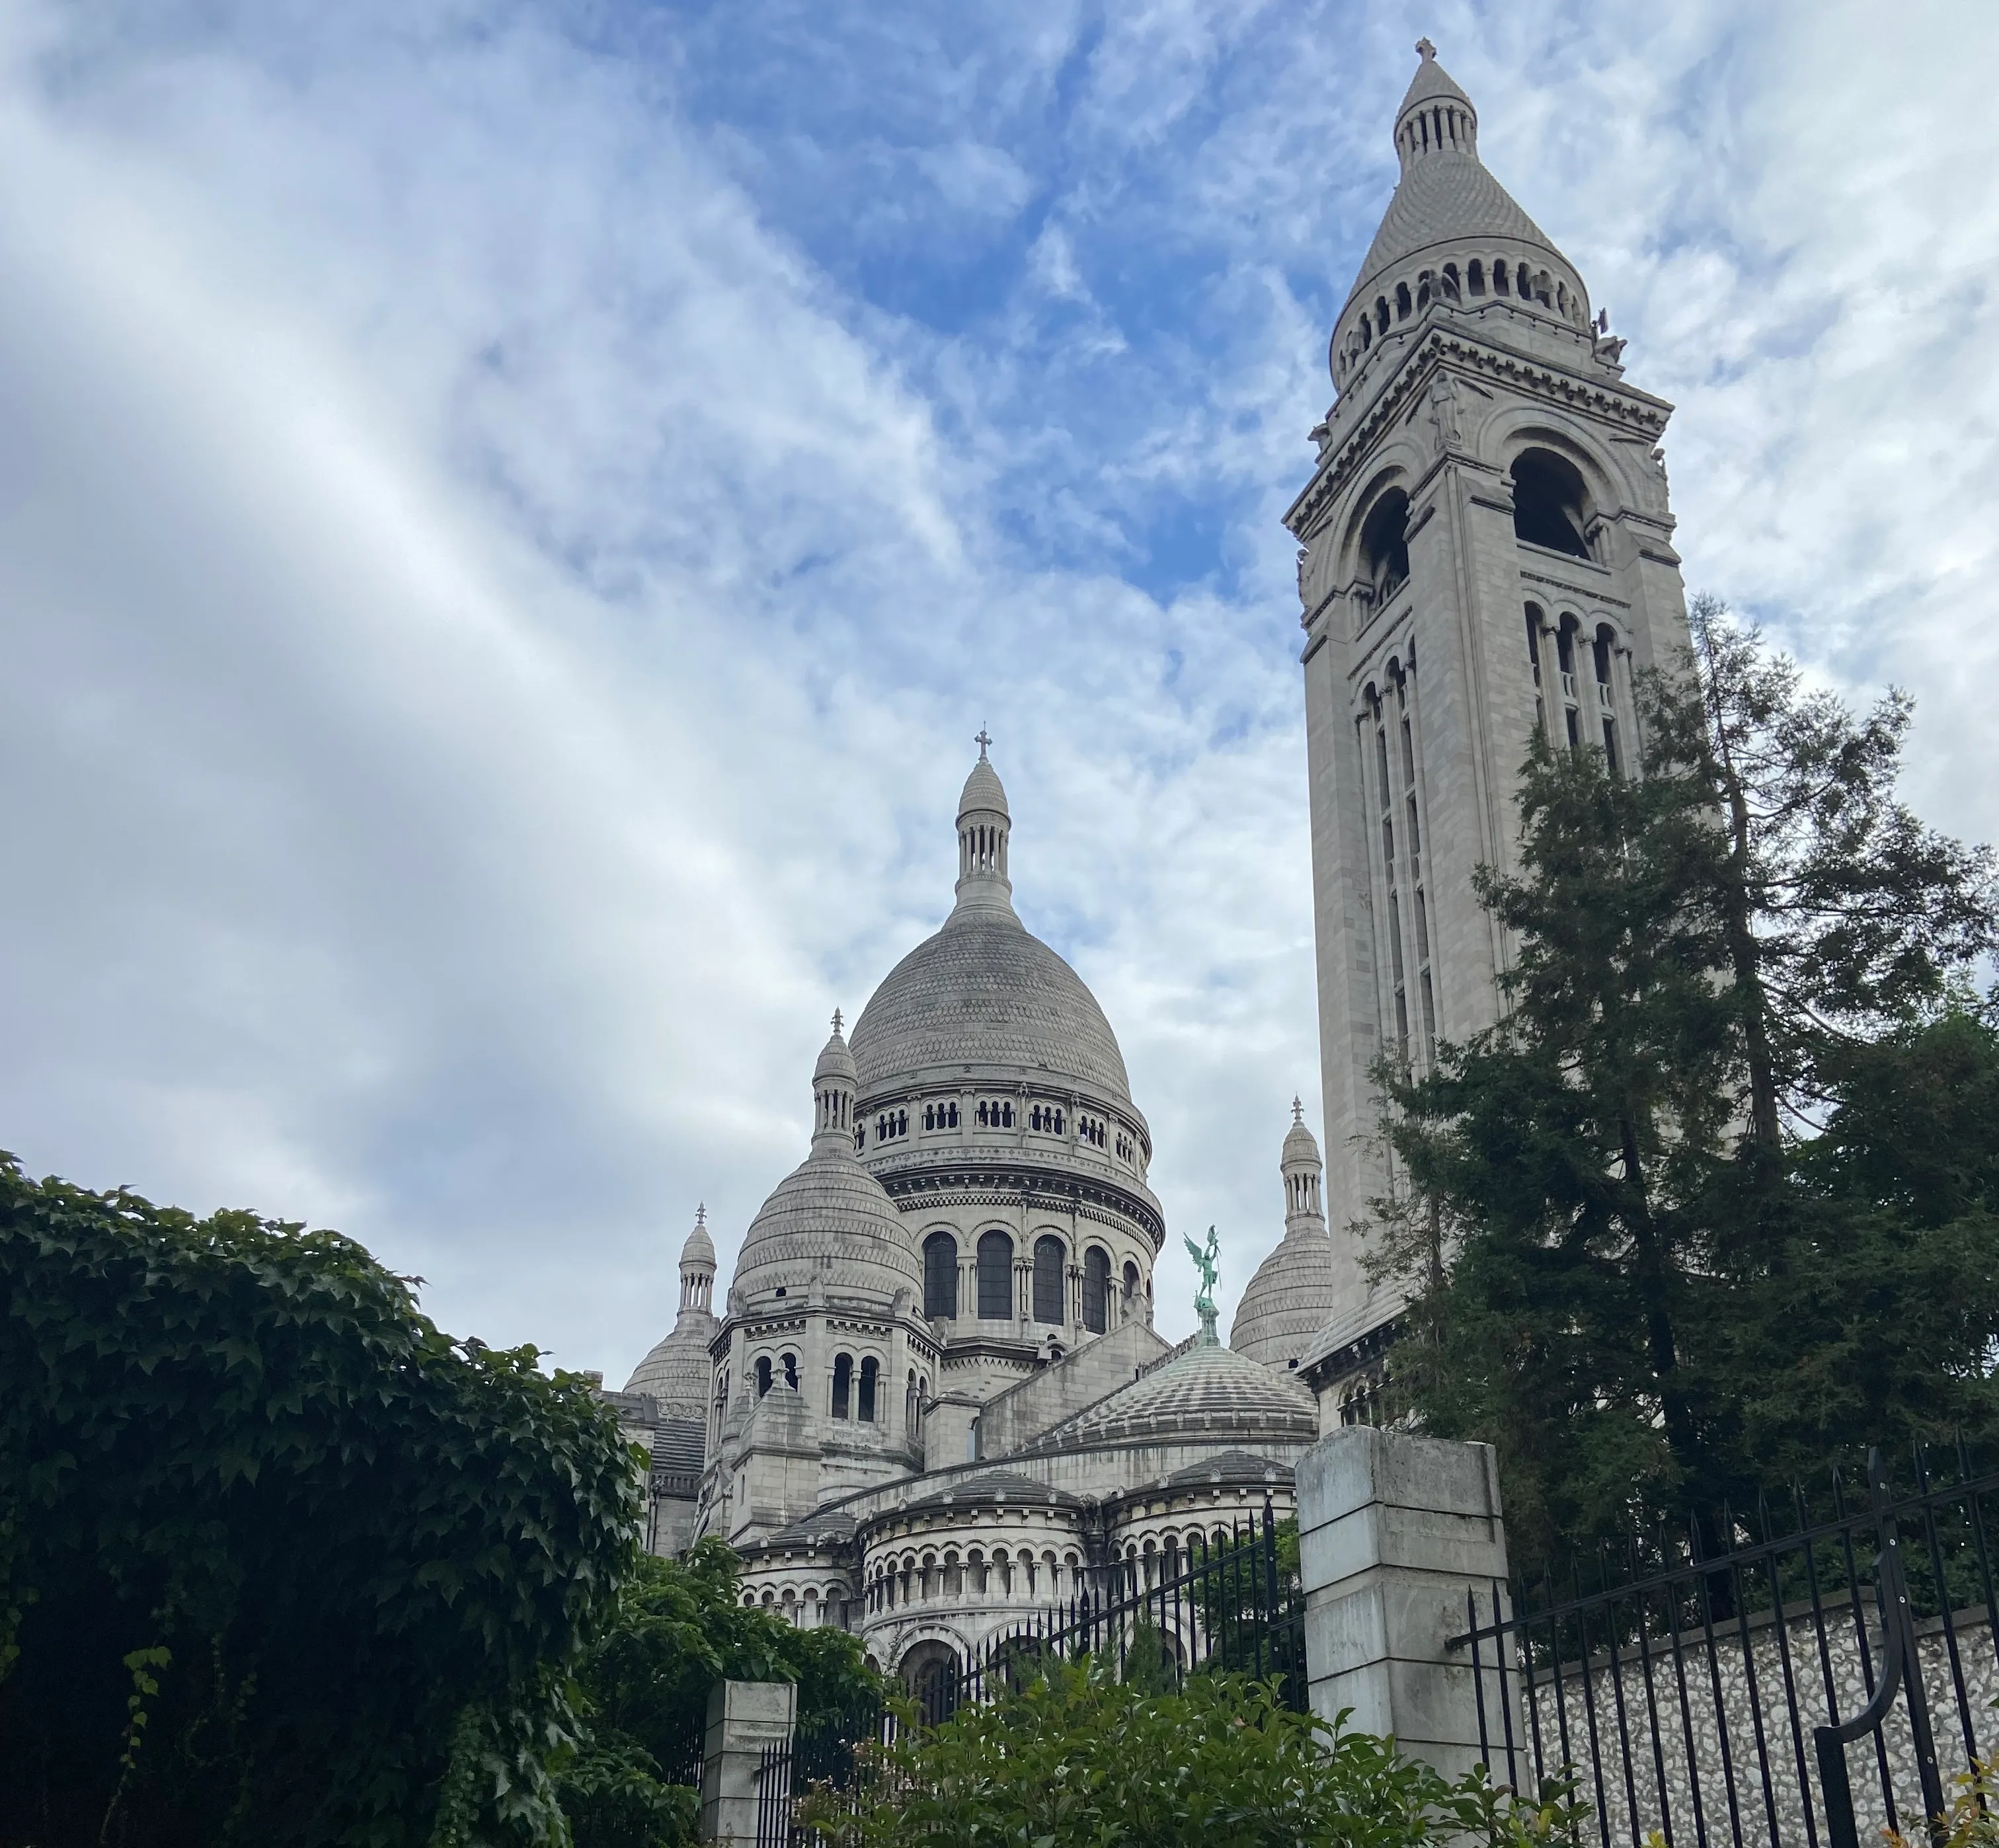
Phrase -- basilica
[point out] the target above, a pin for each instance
(932, 1397)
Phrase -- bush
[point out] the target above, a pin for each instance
(1076, 1759)
(680, 1627)
(279, 1562)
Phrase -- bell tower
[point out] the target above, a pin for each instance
(1485, 546)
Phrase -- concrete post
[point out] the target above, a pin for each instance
(744, 1718)
(1393, 1530)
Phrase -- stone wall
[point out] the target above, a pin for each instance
(1712, 1742)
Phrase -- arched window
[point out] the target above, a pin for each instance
(1401, 301)
(1384, 543)
(940, 1277)
(1474, 277)
(1130, 1282)
(996, 1277)
(762, 1375)
(1381, 314)
(1048, 1256)
(1524, 283)
(1548, 498)
(1450, 286)
(842, 1385)
(870, 1370)
(1366, 334)
(1096, 1289)
(1423, 289)
(1500, 285)
(791, 1372)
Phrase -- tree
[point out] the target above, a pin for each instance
(681, 1627)
(279, 1561)
(1604, 1205)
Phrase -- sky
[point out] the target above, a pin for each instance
(511, 516)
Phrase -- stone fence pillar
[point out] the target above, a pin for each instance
(744, 1718)
(1393, 1530)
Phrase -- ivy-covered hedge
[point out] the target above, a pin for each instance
(279, 1561)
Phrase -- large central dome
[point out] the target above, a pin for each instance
(983, 994)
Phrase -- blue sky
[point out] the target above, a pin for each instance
(510, 516)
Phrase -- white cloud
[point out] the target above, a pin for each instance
(495, 610)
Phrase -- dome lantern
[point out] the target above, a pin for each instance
(834, 1082)
(983, 827)
(1302, 1171)
(698, 1265)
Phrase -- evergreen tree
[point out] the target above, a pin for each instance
(1614, 1211)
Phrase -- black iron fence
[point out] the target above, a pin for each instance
(1803, 1677)
(1228, 1602)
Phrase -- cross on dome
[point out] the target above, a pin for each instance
(981, 740)
(1425, 50)
(1297, 1109)
(700, 1214)
(835, 1019)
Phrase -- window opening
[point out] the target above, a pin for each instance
(1096, 1289)
(870, 1371)
(996, 1277)
(940, 1277)
(762, 1375)
(1048, 1293)
(843, 1384)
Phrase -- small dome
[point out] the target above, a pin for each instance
(1301, 1145)
(1432, 83)
(677, 1371)
(984, 793)
(698, 1252)
(835, 1060)
(828, 1217)
(1207, 1391)
(1289, 1300)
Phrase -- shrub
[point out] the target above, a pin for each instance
(1076, 1759)
(279, 1562)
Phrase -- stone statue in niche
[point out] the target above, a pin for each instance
(1443, 412)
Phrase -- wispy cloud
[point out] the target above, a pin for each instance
(506, 531)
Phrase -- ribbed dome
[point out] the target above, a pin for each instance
(1450, 199)
(1208, 1390)
(1288, 1301)
(983, 992)
(698, 1252)
(984, 793)
(828, 1217)
(676, 1372)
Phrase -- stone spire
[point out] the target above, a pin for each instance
(698, 1265)
(983, 826)
(834, 1083)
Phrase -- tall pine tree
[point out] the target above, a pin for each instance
(1619, 1213)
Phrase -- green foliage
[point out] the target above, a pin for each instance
(1077, 1759)
(1713, 1200)
(680, 1627)
(278, 1561)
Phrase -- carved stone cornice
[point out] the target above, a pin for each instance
(1613, 403)
(991, 1185)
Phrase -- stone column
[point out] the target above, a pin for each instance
(743, 1718)
(1393, 1530)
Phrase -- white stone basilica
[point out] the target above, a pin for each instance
(934, 1396)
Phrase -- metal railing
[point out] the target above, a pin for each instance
(1679, 1695)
